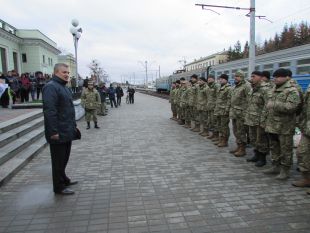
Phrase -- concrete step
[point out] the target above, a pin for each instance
(15, 164)
(13, 134)
(18, 121)
(11, 149)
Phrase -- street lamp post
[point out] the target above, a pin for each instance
(76, 33)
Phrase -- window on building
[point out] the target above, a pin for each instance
(284, 64)
(3, 66)
(303, 66)
(24, 58)
(51, 62)
(256, 67)
(43, 59)
(269, 66)
(15, 61)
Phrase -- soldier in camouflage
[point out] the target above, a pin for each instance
(211, 93)
(181, 104)
(238, 104)
(254, 116)
(192, 102)
(303, 149)
(283, 101)
(177, 98)
(90, 100)
(184, 103)
(222, 111)
(172, 101)
(202, 100)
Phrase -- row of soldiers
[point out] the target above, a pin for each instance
(261, 112)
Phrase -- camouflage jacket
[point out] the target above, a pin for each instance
(184, 95)
(305, 114)
(256, 108)
(211, 93)
(223, 100)
(238, 101)
(202, 98)
(90, 99)
(281, 108)
(172, 95)
(192, 96)
(177, 96)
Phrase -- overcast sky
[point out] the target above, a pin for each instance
(120, 33)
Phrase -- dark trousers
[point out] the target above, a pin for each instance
(60, 154)
(119, 100)
(24, 95)
(112, 101)
(5, 99)
(131, 99)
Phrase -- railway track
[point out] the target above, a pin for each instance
(154, 93)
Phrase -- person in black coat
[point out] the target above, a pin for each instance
(131, 93)
(111, 92)
(119, 94)
(60, 126)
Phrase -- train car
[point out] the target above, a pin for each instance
(163, 84)
(297, 59)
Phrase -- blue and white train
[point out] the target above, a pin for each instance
(297, 59)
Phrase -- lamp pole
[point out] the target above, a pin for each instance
(76, 33)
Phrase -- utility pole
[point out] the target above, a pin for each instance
(252, 38)
(251, 66)
(146, 79)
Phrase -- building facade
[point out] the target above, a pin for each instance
(26, 50)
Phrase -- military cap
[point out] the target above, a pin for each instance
(281, 73)
(203, 79)
(178, 82)
(224, 76)
(239, 73)
(256, 72)
(194, 76)
(266, 74)
(182, 79)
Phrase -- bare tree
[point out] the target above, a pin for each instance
(97, 72)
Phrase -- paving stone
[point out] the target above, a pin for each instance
(142, 173)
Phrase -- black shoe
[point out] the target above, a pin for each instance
(261, 160)
(254, 158)
(88, 125)
(65, 191)
(71, 183)
(96, 126)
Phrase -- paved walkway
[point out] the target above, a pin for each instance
(141, 172)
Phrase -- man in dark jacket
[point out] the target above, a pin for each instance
(111, 92)
(60, 126)
(119, 94)
(131, 93)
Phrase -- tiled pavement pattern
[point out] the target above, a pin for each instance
(141, 172)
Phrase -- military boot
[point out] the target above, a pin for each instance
(88, 125)
(96, 125)
(284, 173)
(181, 122)
(308, 192)
(254, 158)
(193, 125)
(261, 159)
(275, 169)
(217, 140)
(241, 152)
(236, 149)
(196, 128)
(187, 124)
(223, 142)
(204, 133)
(215, 137)
(304, 182)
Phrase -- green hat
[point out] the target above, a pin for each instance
(240, 74)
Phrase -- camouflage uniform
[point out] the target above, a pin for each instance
(182, 104)
(222, 111)
(192, 102)
(254, 117)
(202, 100)
(172, 100)
(185, 91)
(90, 100)
(211, 93)
(280, 124)
(238, 104)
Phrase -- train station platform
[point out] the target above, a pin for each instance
(140, 173)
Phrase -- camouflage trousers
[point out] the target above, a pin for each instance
(91, 114)
(101, 110)
(303, 153)
(174, 109)
(194, 114)
(239, 130)
(281, 147)
(202, 118)
(259, 139)
(211, 120)
(223, 126)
